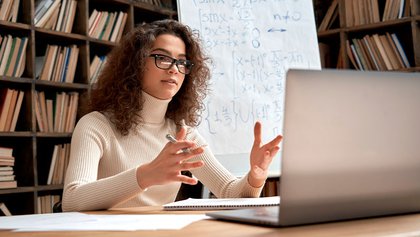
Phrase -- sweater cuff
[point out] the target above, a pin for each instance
(134, 179)
(251, 191)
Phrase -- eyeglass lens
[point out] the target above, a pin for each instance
(166, 62)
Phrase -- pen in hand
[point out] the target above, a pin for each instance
(184, 150)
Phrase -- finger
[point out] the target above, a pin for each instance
(257, 134)
(187, 180)
(191, 165)
(180, 135)
(181, 146)
(181, 157)
(191, 152)
(275, 142)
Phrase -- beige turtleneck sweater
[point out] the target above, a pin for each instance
(102, 170)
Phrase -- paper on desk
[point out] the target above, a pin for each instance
(74, 221)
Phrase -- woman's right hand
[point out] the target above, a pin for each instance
(167, 166)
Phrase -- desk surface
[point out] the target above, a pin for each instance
(394, 226)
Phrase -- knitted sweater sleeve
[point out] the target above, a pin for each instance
(217, 178)
(82, 188)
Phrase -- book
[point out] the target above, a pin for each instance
(7, 177)
(330, 16)
(61, 16)
(6, 151)
(7, 158)
(390, 54)
(41, 7)
(382, 52)
(222, 203)
(4, 209)
(6, 169)
(122, 26)
(13, 57)
(72, 64)
(5, 9)
(3, 44)
(38, 113)
(5, 109)
(50, 114)
(92, 17)
(47, 15)
(6, 172)
(11, 110)
(351, 55)
(71, 15)
(20, 64)
(394, 50)
(7, 163)
(6, 53)
(17, 111)
(52, 165)
(400, 50)
(8, 184)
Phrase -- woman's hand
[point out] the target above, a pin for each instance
(261, 157)
(167, 166)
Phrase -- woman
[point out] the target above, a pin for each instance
(153, 84)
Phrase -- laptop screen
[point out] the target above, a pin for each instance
(351, 145)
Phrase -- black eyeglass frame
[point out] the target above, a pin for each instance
(184, 62)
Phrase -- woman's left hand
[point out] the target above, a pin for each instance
(261, 157)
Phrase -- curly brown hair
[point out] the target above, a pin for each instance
(118, 90)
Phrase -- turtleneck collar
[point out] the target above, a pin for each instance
(154, 109)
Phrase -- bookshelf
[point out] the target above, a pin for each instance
(32, 148)
(348, 24)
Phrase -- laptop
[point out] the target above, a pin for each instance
(351, 149)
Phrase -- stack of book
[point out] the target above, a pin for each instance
(9, 10)
(377, 52)
(95, 68)
(59, 161)
(7, 162)
(359, 12)
(60, 63)
(55, 14)
(108, 26)
(12, 55)
(58, 118)
(10, 104)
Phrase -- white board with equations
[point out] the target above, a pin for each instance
(252, 44)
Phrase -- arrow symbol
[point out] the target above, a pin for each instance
(278, 29)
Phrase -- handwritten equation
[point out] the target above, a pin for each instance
(252, 44)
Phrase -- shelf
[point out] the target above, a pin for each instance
(334, 49)
(33, 149)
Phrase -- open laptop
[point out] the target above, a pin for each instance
(351, 149)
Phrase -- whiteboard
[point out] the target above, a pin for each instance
(252, 44)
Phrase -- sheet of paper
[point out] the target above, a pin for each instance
(31, 221)
(84, 222)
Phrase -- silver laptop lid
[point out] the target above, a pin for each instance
(351, 145)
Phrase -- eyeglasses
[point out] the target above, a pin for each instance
(165, 62)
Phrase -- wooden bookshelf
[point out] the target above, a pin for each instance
(33, 149)
(333, 39)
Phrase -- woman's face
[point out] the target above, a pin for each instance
(164, 83)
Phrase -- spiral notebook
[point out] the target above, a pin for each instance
(222, 203)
